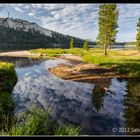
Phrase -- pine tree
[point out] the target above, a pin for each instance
(85, 46)
(107, 21)
(138, 35)
(71, 43)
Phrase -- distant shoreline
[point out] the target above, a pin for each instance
(19, 54)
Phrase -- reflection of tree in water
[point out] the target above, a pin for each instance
(132, 106)
(21, 61)
(99, 91)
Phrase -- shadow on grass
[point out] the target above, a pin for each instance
(130, 67)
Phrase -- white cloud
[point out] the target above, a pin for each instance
(32, 13)
(18, 9)
(80, 19)
(70, 19)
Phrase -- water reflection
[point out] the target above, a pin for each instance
(99, 92)
(71, 101)
(132, 107)
(21, 62)
(98, 97)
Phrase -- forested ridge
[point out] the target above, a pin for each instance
(12, 39)
(16, 38)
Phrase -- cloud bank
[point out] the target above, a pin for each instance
(80, 20)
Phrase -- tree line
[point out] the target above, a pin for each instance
(11, 39)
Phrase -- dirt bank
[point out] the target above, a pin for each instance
(83, 72)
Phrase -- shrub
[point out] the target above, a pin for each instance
(85, 46)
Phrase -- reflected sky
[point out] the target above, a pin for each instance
(96, 111)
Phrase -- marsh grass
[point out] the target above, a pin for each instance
(67, 129)
(38, 122)
(59, 51)
(8, 79)
(50, 52)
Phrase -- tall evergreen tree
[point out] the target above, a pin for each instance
(71, 43)
(138, 35)
(107, 21)
(85, 46)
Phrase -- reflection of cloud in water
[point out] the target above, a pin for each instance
(69, 101)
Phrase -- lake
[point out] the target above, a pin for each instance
(113, 46)
(74, 102)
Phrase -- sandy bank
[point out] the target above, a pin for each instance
(19, 54)
(83, 72)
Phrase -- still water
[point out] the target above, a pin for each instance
(78, 103)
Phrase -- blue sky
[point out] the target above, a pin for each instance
(80, 20)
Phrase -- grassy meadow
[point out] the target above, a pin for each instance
(128, 61)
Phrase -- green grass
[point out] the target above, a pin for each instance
(38, 122)
(67, 130)
(59, 51)
(128, 64)
(8, 76)
(127, 60)
(49, 52)
(8, 79)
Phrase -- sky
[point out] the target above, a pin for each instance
(79, 20)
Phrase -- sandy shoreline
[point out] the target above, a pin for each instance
(19, 54)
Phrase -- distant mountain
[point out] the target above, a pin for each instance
(19, 24)
(18, 34)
